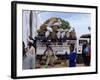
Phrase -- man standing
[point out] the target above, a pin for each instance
(50, 57)
(29, 57)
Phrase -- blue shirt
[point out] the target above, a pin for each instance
(72, 59)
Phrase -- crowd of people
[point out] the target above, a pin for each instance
(29, 55)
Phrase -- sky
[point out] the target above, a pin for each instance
(80, 21)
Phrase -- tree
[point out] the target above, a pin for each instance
(64, 25)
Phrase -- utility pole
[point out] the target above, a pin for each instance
(31, 16)
(33, 22)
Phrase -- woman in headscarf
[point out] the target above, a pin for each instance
(29, 57)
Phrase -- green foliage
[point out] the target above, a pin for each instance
(54, 28)
(43, 29)
(65, 24)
